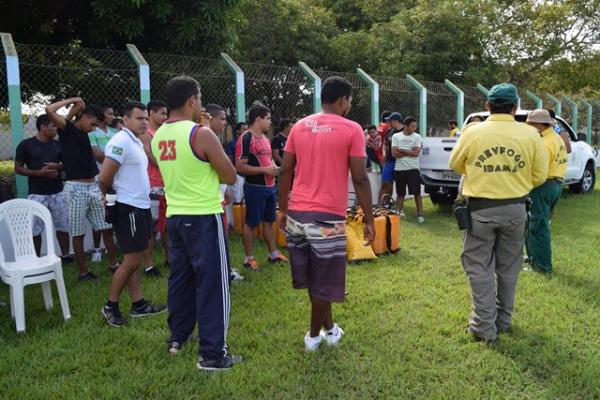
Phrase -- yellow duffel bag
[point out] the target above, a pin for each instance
(358, 249)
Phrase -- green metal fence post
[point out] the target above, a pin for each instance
(557, 104)
(374, 86)
(316, 82)
(422, 104)
(574, 113)
(240, 91)
(14, 102)
(483, 89)
(143, 70)
(460, 101)
(538, 102)
(588, 120)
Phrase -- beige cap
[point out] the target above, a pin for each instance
(540, 116)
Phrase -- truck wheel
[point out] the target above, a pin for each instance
(439, 198)
(587, 182)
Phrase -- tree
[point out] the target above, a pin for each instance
(203, 27)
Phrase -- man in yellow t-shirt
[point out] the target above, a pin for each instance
(503, 160)
(545, 197)
(453, 125)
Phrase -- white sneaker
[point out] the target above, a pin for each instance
(402, 213)
(312, 343)
(333, 336)
(97, 256)
(235, 275)
(420, 219)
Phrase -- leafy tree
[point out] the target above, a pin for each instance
(185, 26)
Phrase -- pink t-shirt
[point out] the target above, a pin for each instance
(154, 175)
(323, 145)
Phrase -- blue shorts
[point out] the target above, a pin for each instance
(388, 172)
(261, 204)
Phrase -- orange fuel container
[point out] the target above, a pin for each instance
(239, 216)
(387, 233)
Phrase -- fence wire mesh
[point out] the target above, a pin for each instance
(441, 108)
(474, 99)
(595, 125)
(50, 73)
(396, 94)
(216, 82)
(361, 95)
(285, 90)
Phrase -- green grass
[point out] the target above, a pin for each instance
(404, 319)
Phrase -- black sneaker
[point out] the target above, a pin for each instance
(88, 277)
(114, 268)
(152, 271)
(113, 316)
(147, 309)
(174, 348)
(67, 259)
(219, 364)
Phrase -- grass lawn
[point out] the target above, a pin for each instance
(404, 319)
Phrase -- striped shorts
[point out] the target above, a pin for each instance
(317, 246)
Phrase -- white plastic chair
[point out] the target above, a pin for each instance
(27, 268)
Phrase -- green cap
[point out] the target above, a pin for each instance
(503, 93)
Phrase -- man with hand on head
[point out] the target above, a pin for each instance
(82, 192)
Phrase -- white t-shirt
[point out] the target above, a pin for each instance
(406, 142)
(131, 181)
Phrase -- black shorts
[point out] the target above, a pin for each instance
(410, 178)
(133, 228)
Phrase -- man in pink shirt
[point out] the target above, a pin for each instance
(157, 115)
(319, 152)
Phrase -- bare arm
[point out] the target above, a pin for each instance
(362, 187)
(245, 169)
(146, 141)
(285, 180)
(276, 157)
(98, 154)
(107, 174)
(58, 120)
(414, 152)
(207, 144)
(50, 170)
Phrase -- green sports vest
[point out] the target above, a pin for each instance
(191, 185)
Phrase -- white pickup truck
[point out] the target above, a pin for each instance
(441, 183)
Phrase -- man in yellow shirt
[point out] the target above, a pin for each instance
(545, 197)
(502, 160)
(453, 125)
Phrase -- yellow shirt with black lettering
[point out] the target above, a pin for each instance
(557, 153)
(501, 158)
(453, 132)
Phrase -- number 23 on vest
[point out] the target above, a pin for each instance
(167, 150)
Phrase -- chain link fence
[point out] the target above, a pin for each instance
(361, 95)
(474, 99)
(396, 94)
(285, 90)
(441, 108)
(50, 73)
(216, 82)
